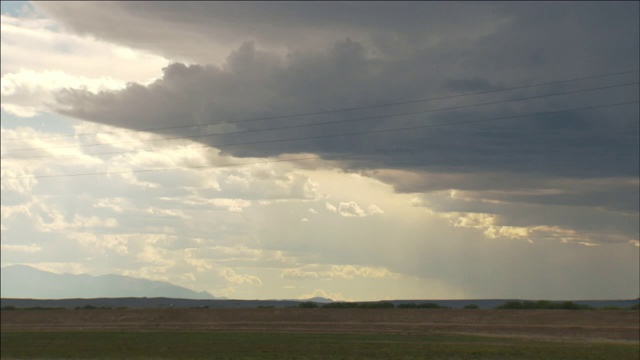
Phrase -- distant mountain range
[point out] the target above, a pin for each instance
(21, 281)
(25, 286)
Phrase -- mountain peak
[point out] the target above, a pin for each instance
(319, 299)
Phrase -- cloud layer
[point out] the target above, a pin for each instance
(512, 206)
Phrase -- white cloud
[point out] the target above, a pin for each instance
(486, 223)
(512, 232)
(42, 44)
(28, 93)
(17, 178)
(80, 221)
(18, 170)
(32, 248)
(116, 204)
(168, 212)
(39, 58)
(9, 211)
(233, 205)
(49, 219)
(238, 279)
(350, 209)
(155, 256)
(297, 274)
(330, 207)
(345, 272)
(374, 210)
(200, 265)
(349, 272)
(118, 243)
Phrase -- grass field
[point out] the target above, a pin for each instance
(320, 334)
(245, 345)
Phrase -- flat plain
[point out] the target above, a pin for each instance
(321, 333)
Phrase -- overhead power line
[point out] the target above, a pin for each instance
(323, 112)
(315, 124)
(323, 137)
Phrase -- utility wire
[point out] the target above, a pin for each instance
(320, 123)
(323, 137)
(335, 110)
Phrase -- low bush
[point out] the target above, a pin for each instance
(542, 305)
(421, 306)
(91, 307)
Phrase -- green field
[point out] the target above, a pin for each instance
(226, 345)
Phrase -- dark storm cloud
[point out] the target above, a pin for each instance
(255, 84)
(163, 26)
(341, 55)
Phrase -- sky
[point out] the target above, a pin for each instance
(350, 150)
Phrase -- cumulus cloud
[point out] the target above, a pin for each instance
(345, 272)
(374, 210)
(20, 166)
(495, 226)
(350, 209)
(296, 274)
(349, 272)
(166, 212)
(50, 219)
(232, 205)
(199, 264)
(9, 211)
(539, 213)
(238, 279)
(102, 244)
(116, 204)
(486, 222)
(329, 206)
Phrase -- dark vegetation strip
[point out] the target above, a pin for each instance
(511, 305)
(216, 345)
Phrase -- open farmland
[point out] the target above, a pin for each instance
(542, 324)
(320, 333)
